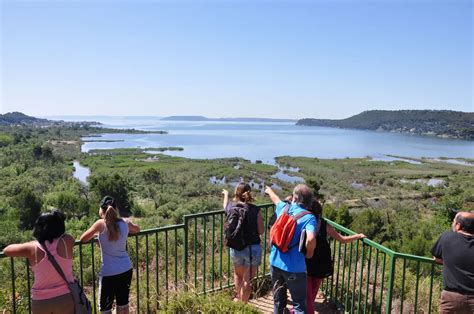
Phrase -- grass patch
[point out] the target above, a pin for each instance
(188, 302)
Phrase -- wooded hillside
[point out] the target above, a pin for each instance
(442, 123)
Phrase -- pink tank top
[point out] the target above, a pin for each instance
(48, 283)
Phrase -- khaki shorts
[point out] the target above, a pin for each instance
(64, 304)
(453, 302)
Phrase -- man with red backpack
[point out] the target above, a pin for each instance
(288, 267)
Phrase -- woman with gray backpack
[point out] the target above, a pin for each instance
(243, 227)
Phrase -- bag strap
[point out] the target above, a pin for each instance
(285, 209)
(55, 264)
(303, 213)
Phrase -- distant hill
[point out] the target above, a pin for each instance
(19, 118)
(202, 118)
(13, 118)
(442, 123)
(185, 118)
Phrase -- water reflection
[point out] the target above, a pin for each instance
(285, 177)
(81, 173)
(429, 182)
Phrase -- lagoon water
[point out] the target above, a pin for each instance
(81, 173)
(265, 140)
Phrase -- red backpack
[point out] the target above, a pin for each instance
(283, 230)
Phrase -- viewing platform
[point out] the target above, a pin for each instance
(368, 277)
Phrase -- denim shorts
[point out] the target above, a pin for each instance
(250, 256)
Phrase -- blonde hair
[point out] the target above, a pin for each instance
(243, 193)
(110, 218)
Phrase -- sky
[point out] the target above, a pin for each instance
(276, 59)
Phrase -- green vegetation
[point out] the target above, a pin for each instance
(213, 303)
(131, 151)
(444, 123)
(391, 202)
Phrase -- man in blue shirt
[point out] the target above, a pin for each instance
(288, 270)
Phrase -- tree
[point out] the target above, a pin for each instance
(449, 206)
(116, 186)
(5, 140)
(315, 186)
(152, 175)
(71, 204)
(370, 222)
(29, 206)
(343, 216)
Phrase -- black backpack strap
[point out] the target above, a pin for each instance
(322, 229)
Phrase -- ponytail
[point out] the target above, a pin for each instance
(247, 197)
(111, 223)
(243, 193)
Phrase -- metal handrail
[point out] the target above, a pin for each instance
(192, 255)
(385, 284)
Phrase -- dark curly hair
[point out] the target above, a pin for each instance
(317, 209)
(49, 226)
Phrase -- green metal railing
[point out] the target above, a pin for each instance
(370, 278)
(192, 256)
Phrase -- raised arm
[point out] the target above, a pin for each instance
(273, 197)
(97, 227)
(226, 198)
(339, 237)
(132, 228)
(20, 250)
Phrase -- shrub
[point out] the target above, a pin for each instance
(116, 186)
(29, 207)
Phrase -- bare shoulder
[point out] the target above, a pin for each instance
(99, 225)
(69, 239)
(29, 245)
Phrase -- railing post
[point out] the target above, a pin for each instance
(391, 280)
(12, 268)
(186, 254)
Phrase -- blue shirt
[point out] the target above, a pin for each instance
(115, 258)
(293, 261)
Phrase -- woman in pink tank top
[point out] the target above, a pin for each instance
(49, 293)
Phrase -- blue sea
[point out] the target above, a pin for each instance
(267, 140)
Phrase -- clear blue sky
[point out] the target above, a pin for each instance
(323, 59)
